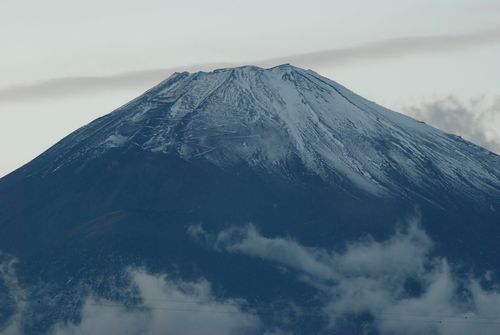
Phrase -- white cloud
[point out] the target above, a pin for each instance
(477, 121)
(366, 277)
(371, 277)
(168, 307)
(12, 296)
(247, 240)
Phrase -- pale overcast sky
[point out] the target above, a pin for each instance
(64, 63)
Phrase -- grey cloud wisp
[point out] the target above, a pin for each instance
(391, 48)
(396, 47)
(74, 86)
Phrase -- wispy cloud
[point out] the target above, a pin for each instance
(370, 277)
(12, 297)
(379, 50)
(393, 48)
(73, 86)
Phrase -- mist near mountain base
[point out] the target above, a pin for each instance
(372, 278)
(365, 278)
(167, 306)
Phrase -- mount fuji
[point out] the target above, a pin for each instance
(259, 182)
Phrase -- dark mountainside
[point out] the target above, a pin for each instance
(284, 149)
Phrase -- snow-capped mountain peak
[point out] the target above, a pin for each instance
(267, 118)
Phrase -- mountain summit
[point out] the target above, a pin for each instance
(252, 180)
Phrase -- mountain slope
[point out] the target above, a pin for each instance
(291, 152)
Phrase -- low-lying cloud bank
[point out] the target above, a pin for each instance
(167, 307)
(477, 121)
(396, 285)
